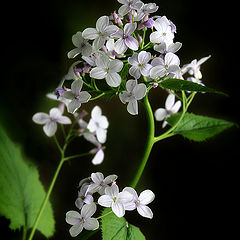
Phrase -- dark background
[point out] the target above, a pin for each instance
(195, 183)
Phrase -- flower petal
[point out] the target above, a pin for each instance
(120, 46)
(91, 224)
(90, 33)
(97, 177)
(73, 105)
(103, 122)
(98, 73)
(50, 128)
(135, 72)
(101, 135)
(84, 97)
(112, 191)
(115, 65)
(40, 118)
(176, 107)
(129, 28)
(110, 30)
(132, 107)
(130, 85)
(76, 229)
(73, 53)
(98, 158)
(64, 120)
(146, 197)
(98, 42)
(145, 211)
(144, 57)
(160, 114)
(73, 217)
(133, 60)
(172, 59)
(109, 179)
(88, 210)
(118, 209)
(105, 201)
(113, 79)
(125, 197)
(155, 37)
(76, 86)
(102, 23)
(145, 69)
(170, 101)
(132, 43)
(124, 97)
(140, 91)
(157, 72)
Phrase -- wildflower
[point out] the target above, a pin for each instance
(194, 67)
(76, 95)
(115, 199)
(99, 183)
(146, 10)
(125, 40)
(134, 92)
(100, 34)
(83, 197)
(139, 203)
(129, 5)
(163, 48)
(108, 69)
(164, 32)
(83, 220)
(170, 108)
(82, 46)
(140, 65)
(161, 67)
(50, 120)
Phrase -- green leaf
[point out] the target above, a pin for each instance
(21, 191)
(179, 85)
(114, 228)
(198, 128)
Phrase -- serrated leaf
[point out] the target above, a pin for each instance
(114, 228)
(198, 128)
(21, 191)
(184, 85)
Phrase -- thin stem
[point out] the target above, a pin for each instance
(102, 216)
(24, 235)
(149, 144)
(100, 95)
(77, 156)
(57, 143)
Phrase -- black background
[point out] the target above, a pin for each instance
(195, 183)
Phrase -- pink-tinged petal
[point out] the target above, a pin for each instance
(88, 210)
(130, 85)
(146, 197)
(170, 101)
(76, 229)
(98, 158)
(97, 177)
(135, 72)
(144, 57)
(73, 217)
(102, 23)
(132, 107)
(113, 79)
(50, 128)
(160, 114)
(120, 46)
(105, 201)
(176, 107)
(91, 224)
(140, 91)
(133, 60)
(118, 209)
(131, 42)
(118, 34)
(145, 211)
(98, 73)
(64, 120)
(40, 118)
(90, 33)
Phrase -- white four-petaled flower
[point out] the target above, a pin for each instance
(50, 120)
(108, 69)
(83, 220)
(134, 93)
(115, 199)
(170, 108)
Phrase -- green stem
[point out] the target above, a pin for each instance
(24, 235)
(77, 156)
(149, 144)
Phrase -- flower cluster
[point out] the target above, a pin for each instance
(110, 197)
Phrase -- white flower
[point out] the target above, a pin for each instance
(161, 67)
(107, 69)
(163, 48)
(115, 199)
(129, 5)
(99, 183)
(134, 93)
(193, 68)
(100, 34)
(50, 120)
(139, 203)
(83, 220)
(140, 65)
(170, 108)
(164, 32)
(82, 46)
(76, 95)
(98, 124)
(83, 196)
(146, 10)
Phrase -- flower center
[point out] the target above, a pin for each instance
(137, 202)
(166, 66)
(164, 34)
(114, 199)
(82, 220)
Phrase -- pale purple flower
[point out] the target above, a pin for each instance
(140, 65)
(82, 46)
(164, 32)
(170, 108)
(108, 69)
(146, 10)
(100, 34)
(134, 93)
(129, 5)
(163, 48)
(98, 124)
(115, 199)
(83, 196)
(83, 220)
(140, 203)
(76, 96)
(161, 67)
(125, 40)
(99, 183)
(72, 73)
(193, 68)
(50, 120)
